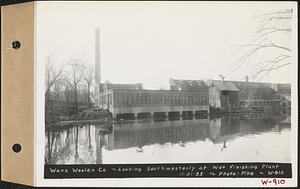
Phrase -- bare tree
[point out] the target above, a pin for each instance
(77, 70)
(89, 78)
(52, 74)
(57, 89)
(271, 41)
(67, 91)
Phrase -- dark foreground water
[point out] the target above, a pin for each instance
(247, 138)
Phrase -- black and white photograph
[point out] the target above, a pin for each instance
(168, 83)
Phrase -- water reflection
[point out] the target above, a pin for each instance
(256, 137)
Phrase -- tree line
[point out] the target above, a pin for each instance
(68, 86)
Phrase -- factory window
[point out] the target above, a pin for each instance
(129, 98)
(182, 99)
(168, 98)
(105, 99)
(122, 99)
(133, 98)
(118, 99)
(190, 99)
(173, 99)
(125, 99)
(153, 99)
(143, 99)
(137, 98)
(186, 98)
(177, 99)
(194, 98)
(158, 99)
(163, 99)
(109, 99)
(200, 98)
(148, 98)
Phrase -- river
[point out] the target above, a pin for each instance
(232, 138)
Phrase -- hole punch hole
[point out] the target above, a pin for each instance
(16, 45)
(16, 148)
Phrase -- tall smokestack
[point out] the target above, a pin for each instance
(97, 56)
(97, 65)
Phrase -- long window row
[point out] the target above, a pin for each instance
(259, 103)
(160, 98)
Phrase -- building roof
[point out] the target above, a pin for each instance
(243, 84)
(192, 84)
(283, 86)
(240, 85)
(136, 86)
(224, 85)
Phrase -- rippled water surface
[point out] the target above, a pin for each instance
(248, 138)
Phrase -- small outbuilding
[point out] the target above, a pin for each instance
(223, 95)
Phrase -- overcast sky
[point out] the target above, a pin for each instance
(150, 42)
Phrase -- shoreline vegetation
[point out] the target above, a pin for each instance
(89, 116)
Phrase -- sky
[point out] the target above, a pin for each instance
(150, 42)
